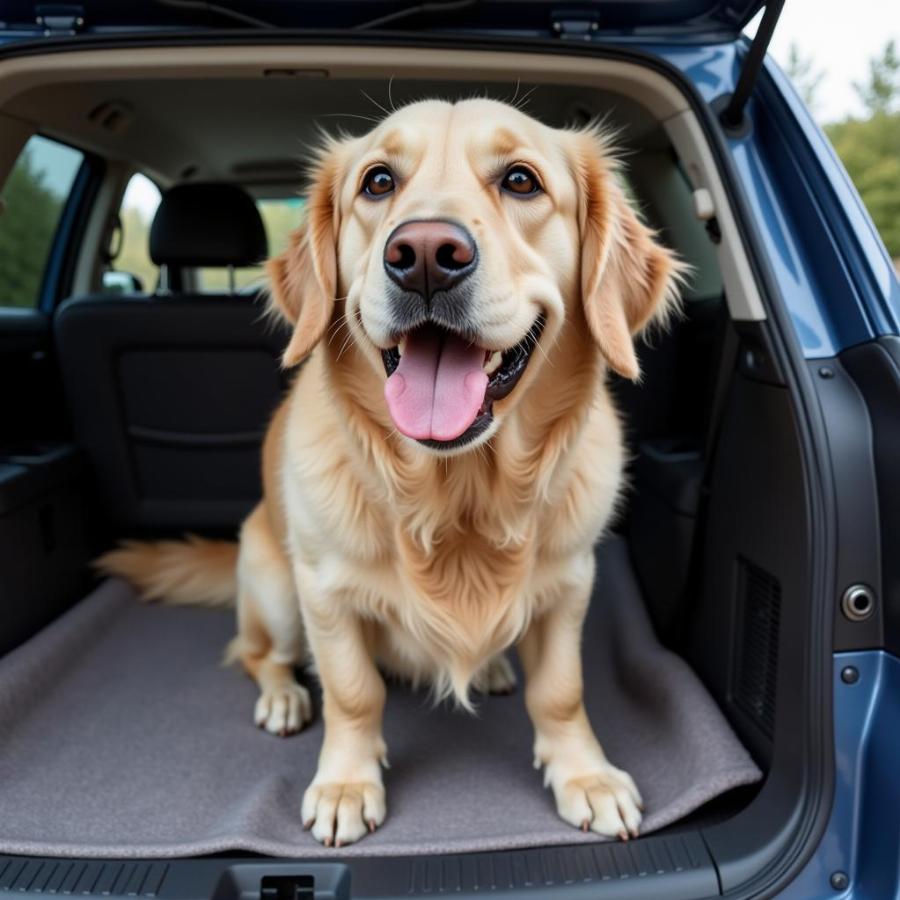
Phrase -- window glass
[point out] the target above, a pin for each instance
(34, 197)
(280, 217)
(133, 270)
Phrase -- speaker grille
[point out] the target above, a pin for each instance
(756, 672)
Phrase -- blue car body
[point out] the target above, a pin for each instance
(840, 288)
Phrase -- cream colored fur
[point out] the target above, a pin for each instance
(369, 550)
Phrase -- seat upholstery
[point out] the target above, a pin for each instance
(170, 394)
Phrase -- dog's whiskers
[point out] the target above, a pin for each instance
(340, 322)
(347, 342)
(374, 102)
(536, 345)
(352, 116)
(516, 94)
(525, 98)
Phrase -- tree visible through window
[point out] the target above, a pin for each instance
(868, 145)
(280, 217)
(34, 197)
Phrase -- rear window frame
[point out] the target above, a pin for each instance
(59, 270)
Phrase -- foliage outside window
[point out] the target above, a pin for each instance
(34, 197)
(869, 146)
(280, 217)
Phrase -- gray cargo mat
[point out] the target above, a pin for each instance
(121, 736)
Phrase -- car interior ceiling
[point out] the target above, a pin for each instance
(154, 459)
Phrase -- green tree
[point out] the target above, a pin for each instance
(280, 218)
(804, 76)
(881, 92)
(870, 147)
(30, 215)
(870, 151)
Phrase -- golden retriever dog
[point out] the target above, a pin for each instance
(447, 457)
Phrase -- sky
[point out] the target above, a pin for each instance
(839, 37)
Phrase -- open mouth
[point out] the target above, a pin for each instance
(441, 387)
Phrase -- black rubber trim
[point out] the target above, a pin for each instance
(677, 867)
(875, 370)
(765, 877)
(856, 489)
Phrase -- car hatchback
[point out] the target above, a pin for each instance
(151, 155)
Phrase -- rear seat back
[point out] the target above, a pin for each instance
(170, 393)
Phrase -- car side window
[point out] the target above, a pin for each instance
(34, 198)
(280, 217)
(130, 269)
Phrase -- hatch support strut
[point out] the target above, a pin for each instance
(732, 116)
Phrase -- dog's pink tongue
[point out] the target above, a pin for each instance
(438, 387)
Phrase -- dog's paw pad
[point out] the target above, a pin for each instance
(342, 813)
(606, 801)
(497, 677)
(284, 710)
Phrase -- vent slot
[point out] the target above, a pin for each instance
(81, 877)
(756, 664)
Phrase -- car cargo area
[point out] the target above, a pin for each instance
(126, 738)
(157, 735)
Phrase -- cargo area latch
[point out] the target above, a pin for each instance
(287, 880)
(287, 887)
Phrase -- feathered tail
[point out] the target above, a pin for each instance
(192, 572)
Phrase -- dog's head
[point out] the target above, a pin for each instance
(463, 238)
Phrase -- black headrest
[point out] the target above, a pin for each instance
(207, 225)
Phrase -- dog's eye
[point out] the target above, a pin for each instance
(378, 181)
(520, 180)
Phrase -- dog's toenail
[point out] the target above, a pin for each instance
(372, 825)
(585, 825)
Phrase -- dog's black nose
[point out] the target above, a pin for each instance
(429, 255)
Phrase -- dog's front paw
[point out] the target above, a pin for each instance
(341, 813)
(605, 801)
(283, 710)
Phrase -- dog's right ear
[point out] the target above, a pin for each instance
(628, 278)
(303, 279)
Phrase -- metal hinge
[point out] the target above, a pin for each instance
(575, 25)
(58, 19)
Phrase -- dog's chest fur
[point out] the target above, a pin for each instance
(448, 560)
(448, 571)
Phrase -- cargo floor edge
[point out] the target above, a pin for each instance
(677, 866)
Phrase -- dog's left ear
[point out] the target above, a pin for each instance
(303, 279)
(627, 278)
